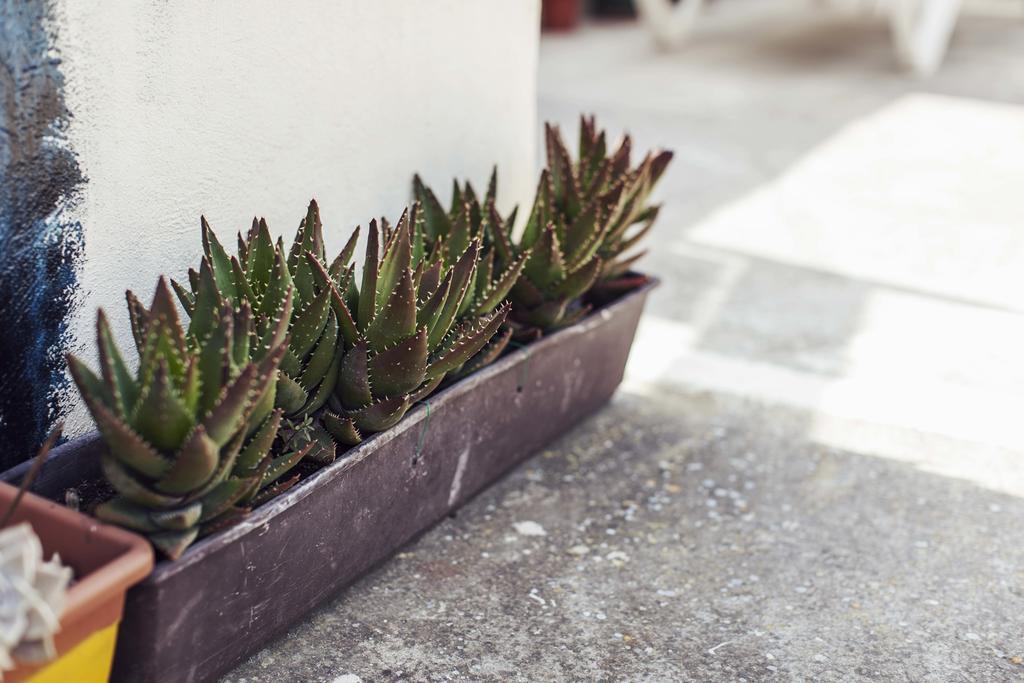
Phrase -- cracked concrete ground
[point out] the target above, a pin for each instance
(815, 468)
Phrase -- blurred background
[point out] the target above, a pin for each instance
(842, 232)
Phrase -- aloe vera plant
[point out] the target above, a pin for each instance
(263, 275)
(579, 229)
(603, 181)
(189, 435)
(451, 231)
(400, 326)
(562, 262)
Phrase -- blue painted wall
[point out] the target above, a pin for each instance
(40, 244)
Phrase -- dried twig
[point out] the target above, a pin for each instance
(33, 472)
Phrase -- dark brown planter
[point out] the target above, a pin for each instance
(106, 561)
(233, 592)
(560, 15)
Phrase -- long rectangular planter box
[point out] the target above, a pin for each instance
(231, 593)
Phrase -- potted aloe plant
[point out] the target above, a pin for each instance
(307, 420)
(63, 580)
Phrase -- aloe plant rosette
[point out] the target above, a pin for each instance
(561, 263)
(263, 274)
(579, 230)
(604, 182)
(451, 231)
(400, 326)
(188, 435)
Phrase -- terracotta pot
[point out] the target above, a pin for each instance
(560, 15)
(231, 593)
(106, 560)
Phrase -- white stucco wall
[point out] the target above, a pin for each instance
(231, 109)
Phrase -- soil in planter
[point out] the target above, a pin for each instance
(86, 496)
(307, 468)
